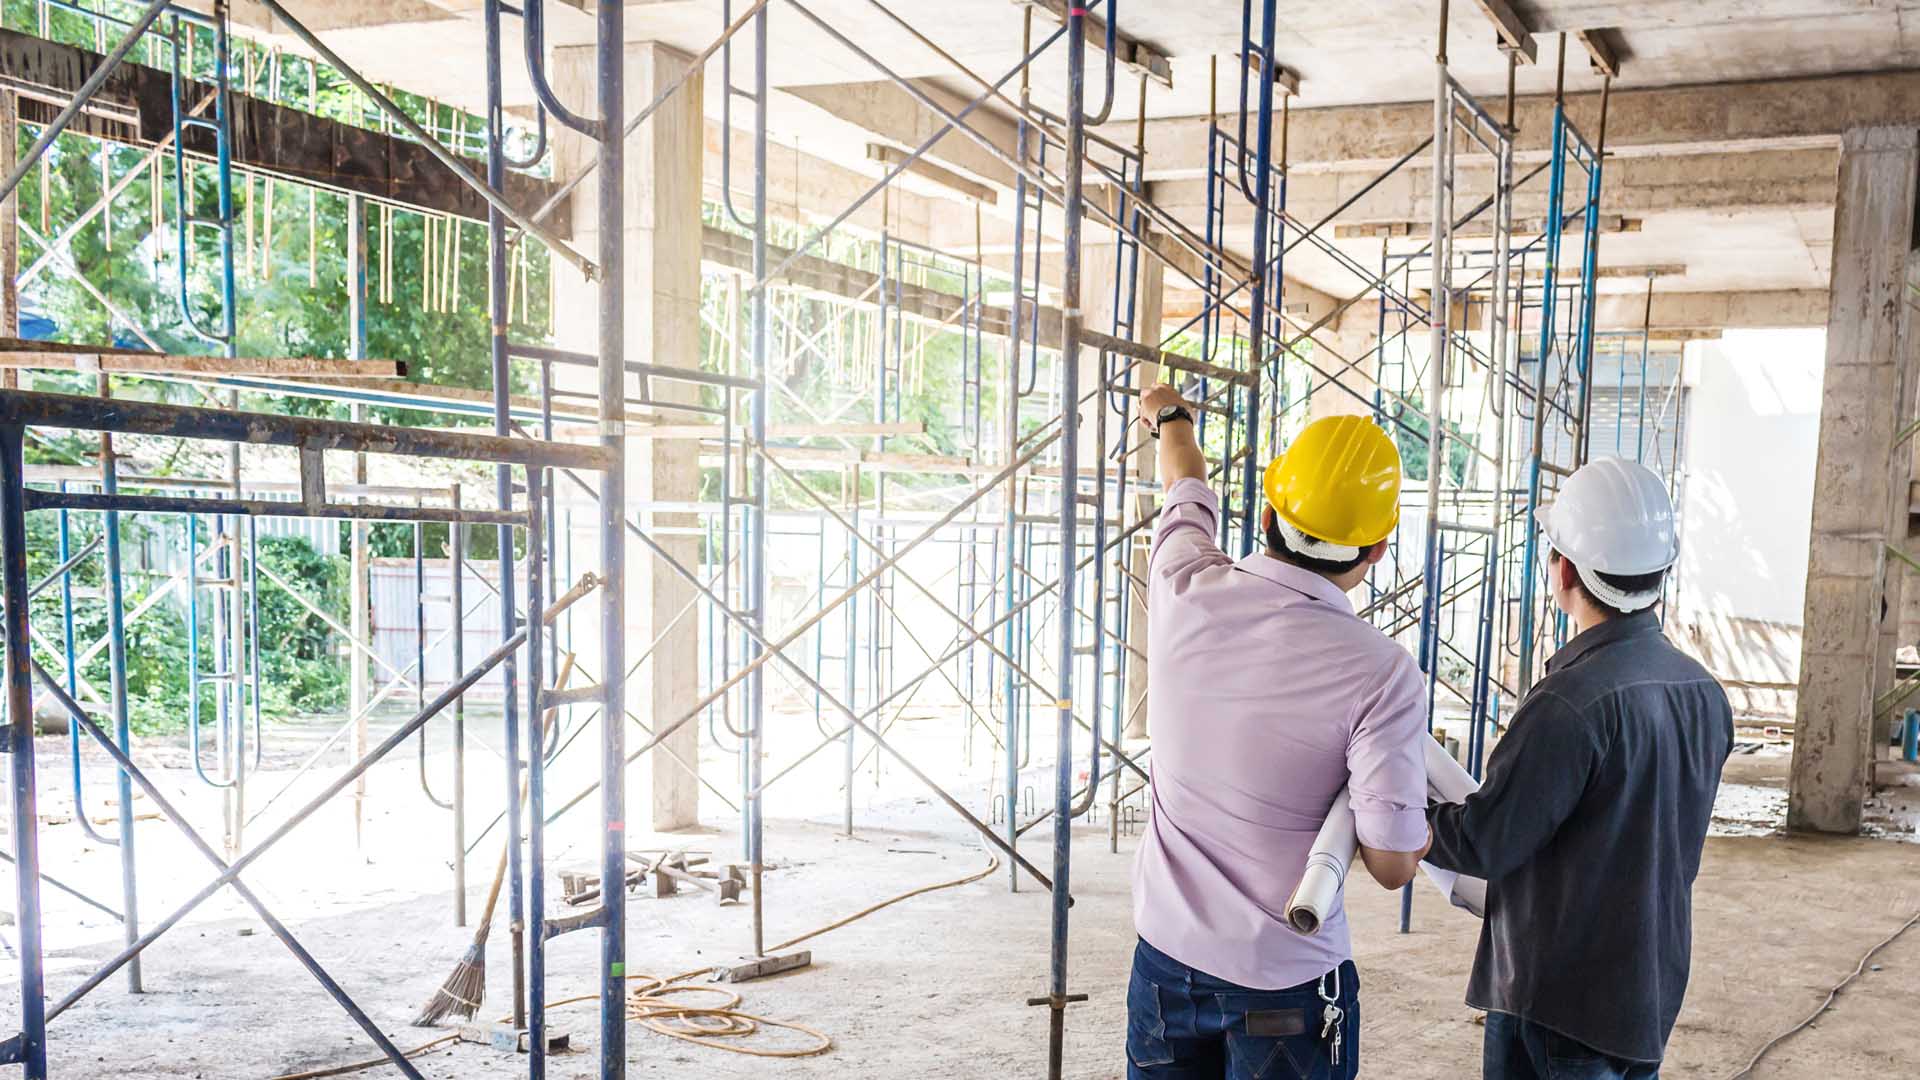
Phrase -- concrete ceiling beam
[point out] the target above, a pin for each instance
(1775, 114)
(1762, 180)
(802, 187)
(1673, 312)
(887, 111)
(1769, 309)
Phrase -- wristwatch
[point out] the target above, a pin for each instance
(1170, 414)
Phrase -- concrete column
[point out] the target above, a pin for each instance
(662, 297)
(1860, 483)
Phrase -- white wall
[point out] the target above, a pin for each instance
(1752, 431)
(1747, 503)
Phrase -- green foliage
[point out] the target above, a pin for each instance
(155, 643)
(427, 294)
(299, 669)
(427, 283)
(1411, 435)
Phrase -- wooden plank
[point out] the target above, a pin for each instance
(760, 967)
(59, 356)
(1655, 270)
(1375, 230)
(135, 106)
(820, 457)
(1135, 55)
(88, 474)
(777, 431)
(1283, 77)
(428, 395)
(1514, 35)
(1603, 56)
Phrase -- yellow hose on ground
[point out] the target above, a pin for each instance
(652, 1006)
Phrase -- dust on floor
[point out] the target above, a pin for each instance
(936, 986)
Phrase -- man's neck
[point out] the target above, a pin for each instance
(1346, 582)
(1590, 616)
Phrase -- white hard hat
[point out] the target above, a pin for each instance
(1614, 517)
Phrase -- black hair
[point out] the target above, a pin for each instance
(1277, 545)
(1631, 584)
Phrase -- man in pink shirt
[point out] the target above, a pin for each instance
(1267, 696)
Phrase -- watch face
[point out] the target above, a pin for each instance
(1171, 412)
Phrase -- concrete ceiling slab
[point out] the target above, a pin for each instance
(1770, 231)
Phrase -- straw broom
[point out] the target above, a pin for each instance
(463, 991)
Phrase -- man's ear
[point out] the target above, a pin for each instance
(1565, 575)
(1376, 553)
(1266, 519)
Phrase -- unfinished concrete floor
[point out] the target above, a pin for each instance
(933, 987)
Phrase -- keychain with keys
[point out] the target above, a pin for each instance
(1331, 1014)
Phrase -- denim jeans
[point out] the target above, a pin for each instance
(1184, 1024)
(1519, 1049)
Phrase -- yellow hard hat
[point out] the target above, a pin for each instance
(1339, 482)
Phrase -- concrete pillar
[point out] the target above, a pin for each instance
(662, 297)
(1860, 484)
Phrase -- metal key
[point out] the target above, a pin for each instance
(1330, 1025)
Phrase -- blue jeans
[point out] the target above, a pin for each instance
(1183, 1024)
(1519, 1049)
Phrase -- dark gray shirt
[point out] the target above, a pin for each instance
(1588, 831)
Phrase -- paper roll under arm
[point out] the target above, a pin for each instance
(1328, 861)
(1338, 843)
(1449, 783)
(1446, 780)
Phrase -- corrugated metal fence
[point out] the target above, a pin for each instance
(396, 619)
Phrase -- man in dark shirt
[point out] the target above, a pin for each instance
(1590, 826)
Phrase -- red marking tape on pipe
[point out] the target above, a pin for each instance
(616, 826)
(1080, 11)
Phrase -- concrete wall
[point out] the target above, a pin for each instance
(1747, 496)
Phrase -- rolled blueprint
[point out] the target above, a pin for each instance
(1447, 782)
(1327, 864)
(1333, 851)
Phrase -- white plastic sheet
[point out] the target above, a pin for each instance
(1333, 851)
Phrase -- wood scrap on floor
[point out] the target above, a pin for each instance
(665, 872)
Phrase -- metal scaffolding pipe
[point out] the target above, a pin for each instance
(25, 825)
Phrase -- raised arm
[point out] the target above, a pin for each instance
(1180, 457)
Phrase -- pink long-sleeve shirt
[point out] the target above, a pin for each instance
(1267, 695)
